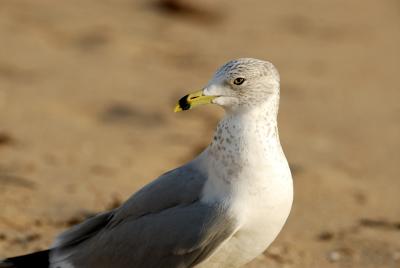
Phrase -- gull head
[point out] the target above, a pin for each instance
(240, 83)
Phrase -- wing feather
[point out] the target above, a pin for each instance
(163, 225)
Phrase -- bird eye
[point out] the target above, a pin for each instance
(239, 81)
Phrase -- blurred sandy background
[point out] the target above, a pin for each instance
(87, 90)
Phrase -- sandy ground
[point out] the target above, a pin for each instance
(86, 96)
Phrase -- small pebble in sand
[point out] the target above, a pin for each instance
(325, 236)
(340, 254)
(5, 138)
(2, 237)
(334, 256)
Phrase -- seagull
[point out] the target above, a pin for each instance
(221, 209)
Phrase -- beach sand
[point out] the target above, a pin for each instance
(87, 90)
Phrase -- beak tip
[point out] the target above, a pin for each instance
(177, 109)
(189, 101)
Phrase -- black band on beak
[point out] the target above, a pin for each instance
(183, 103)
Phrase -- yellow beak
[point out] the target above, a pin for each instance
(192, 100)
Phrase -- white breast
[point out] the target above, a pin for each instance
(261, 218)
(261, 202)
(255, 180)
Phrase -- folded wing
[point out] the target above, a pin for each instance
(163, 225)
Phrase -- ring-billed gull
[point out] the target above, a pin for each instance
(222, 209)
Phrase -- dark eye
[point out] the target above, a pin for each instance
(239, 81)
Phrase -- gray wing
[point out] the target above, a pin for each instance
(179, 186)
(162, 225)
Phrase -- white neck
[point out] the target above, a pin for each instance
(246, 144)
